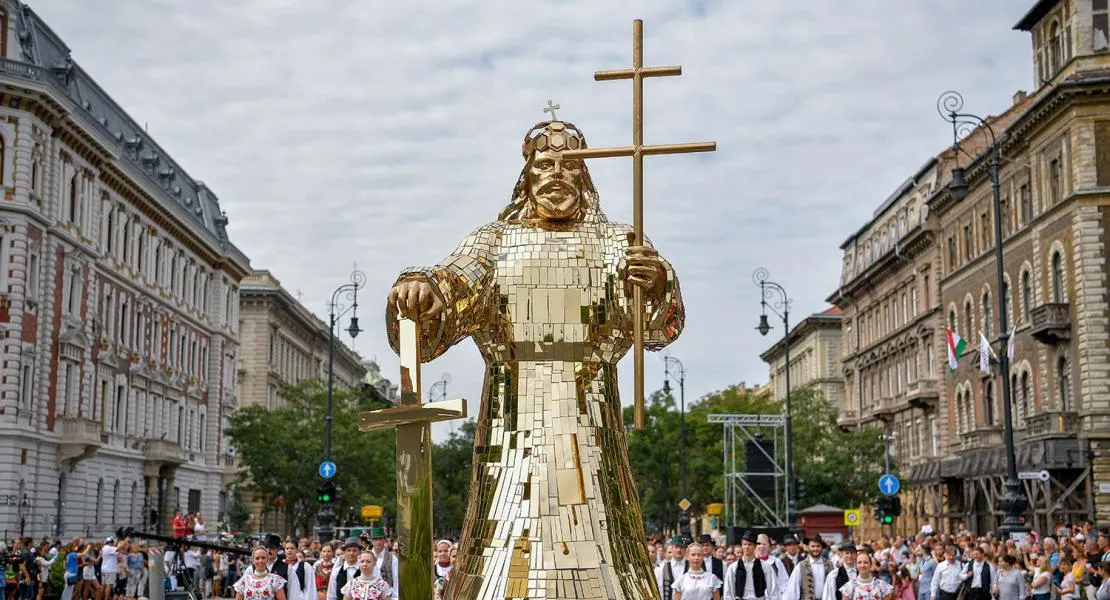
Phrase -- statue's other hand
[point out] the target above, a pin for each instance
(416, 300)
(645, 270)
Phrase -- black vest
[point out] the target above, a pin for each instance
(759, 578)
(340, 578)
(280, 568)
(788, 563)
(668, 576)
(984, 589)
(300, 574)
(716, 566)
(841, 579)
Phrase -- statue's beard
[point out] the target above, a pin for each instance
(557, 199)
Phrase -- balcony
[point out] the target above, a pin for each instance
(887, 406)
(80, 440)
(985, 437)
(923, 394)
(1051, 424)
(164, 451)
(1051, 323)
(847, 419)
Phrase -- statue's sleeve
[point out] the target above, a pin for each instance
(664, 315)
(461, 281)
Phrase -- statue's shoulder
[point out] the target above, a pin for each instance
(489, 231)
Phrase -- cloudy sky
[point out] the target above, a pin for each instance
(339, 132)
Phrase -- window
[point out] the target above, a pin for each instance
(194, 501)
(99, 501)
(1004, 215)
(969, 330)
(926, 290)
(951, 253)
(1055, 54)
(967, 242)
(3, 158)
(988, 319)
(985, 236)
(121, 409)
(1057, 277)
(122, 332)
(1016, 402)
(26, 388)
(73, 303)
(1025, 197)
(69, 394)
(110, 233)
(1100, 25)
(72, 206)
(35, 175)
(913, 300)
(1055, 180)
(1026, 294)
(988, 402)
(1063, 377)
(1026, 394)
(952, 320)
(905, 308)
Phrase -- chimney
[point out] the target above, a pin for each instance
(1020, 97)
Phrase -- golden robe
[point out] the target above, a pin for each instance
(553, 510)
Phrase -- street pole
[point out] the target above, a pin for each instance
(767, 291)
(684, 520)
(1013, 502)
(326, 516)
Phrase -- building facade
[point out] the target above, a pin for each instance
(283, 343)
(1055, 196)
(815, 350)
(118, 308)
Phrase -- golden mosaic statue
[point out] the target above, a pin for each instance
(546, 293)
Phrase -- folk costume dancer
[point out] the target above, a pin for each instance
(807, 581)
(301, 584)
(982, 576)
(842, 574)
(345, 568)
(763, 551)
(673, 566)
(750, 578)
(791, 553)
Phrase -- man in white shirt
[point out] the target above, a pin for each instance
(109, 566)
(674, 565)
(345, 568)
(948, 576)
(807, 582)
(791, 553)
(713, 564)
(842, 574)
(749, 578)
(983, 577)
(301, 584)
(387, 565)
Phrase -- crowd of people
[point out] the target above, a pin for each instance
(1073, 563)
(358, 568)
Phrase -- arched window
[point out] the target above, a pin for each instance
(1057, 277)
(1063, 376)
(988, 319)
(952, 319)
(75, 293)
(111, 233)
(99, 501)
(1016, 403)
(1026, 294)
(1026, 394)
(73, 217)
(969, 328)
(988, 402)
(1055, 48)
(125, 240)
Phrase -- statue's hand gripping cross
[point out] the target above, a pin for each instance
(637, 151)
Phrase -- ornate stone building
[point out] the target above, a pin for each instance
(118, 307)
(1054, 179)
(815, 349)
(285, 343)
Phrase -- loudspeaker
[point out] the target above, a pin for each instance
(760, 468)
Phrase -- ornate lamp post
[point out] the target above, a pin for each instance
(767, 291)
(950, 105)
(672, 366)
(348, 291)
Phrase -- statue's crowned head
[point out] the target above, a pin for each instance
(552, 188)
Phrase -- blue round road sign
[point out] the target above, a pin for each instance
(327, 469)
(889, 485)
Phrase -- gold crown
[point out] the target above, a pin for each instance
(553, 135)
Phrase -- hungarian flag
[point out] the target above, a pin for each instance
(956, 346)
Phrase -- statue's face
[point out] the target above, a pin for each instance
(555, 186)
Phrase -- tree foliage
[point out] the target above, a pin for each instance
(451, 480)
(282, 449)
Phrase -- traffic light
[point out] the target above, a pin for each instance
(896, 506)
(325, 494)
(886, 508)
(799, 489)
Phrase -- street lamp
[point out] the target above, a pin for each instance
(672, 365)
(767, 291)
(24, 510)
(1013, 502)
(349, 291)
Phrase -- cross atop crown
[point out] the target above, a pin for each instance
(551, 108)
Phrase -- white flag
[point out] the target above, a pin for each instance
(1011, 344)
(984, 354)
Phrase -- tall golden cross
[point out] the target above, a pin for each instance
(413, 420)
(551, 108)
(638, 151)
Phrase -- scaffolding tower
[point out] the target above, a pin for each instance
(737, 430)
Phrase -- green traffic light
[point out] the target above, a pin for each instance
(888, 519)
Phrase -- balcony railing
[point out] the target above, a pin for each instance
(888, 406)
(848, 418)
(989, 436)
(1051, 323)
(80, 439)
(164, 451)
(1051, 423)
(923, 394)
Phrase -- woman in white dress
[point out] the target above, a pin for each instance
(367, 586)
(866, 586)
(696, 583)
(258, 583)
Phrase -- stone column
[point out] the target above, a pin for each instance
(169, 476)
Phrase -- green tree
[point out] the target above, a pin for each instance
(451, 480)
(282, 449)
(238, 513)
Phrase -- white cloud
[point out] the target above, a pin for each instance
(342, 131)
